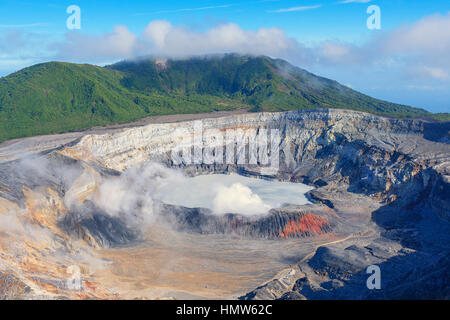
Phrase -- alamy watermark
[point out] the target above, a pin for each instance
(374, 20)
(73, 22)
(74, 281)
(374, 281)
(255, 147)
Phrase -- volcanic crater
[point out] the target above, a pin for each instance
(380, 196)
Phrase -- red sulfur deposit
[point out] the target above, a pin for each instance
(307, 223)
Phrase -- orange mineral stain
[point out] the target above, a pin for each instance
(307, 223)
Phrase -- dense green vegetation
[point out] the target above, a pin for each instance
(59, 97)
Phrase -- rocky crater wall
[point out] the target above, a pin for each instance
(406, 161)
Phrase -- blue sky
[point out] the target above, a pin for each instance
(406, 61)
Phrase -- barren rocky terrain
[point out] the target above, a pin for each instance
(380, 198)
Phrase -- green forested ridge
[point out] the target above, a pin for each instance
(58, 97)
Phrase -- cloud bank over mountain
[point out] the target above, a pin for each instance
(412, 55)
(419, 49)
(161, 38)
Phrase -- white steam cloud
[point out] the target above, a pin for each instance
(130, 196)
(232, 194)
(238, 199)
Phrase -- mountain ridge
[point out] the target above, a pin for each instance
(58, 97)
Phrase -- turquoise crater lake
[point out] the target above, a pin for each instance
(232, 194)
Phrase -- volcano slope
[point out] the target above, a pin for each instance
(380, 198)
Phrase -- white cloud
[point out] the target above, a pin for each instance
(162, 38)
(38, 24)
(420, 49)
(422, 87)
(16, 42)
(190, 9)
(294, 9)
(355, 1)
(121, 43)
(430, 35)
(334, 50)
(21, 48)
(430, 72)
